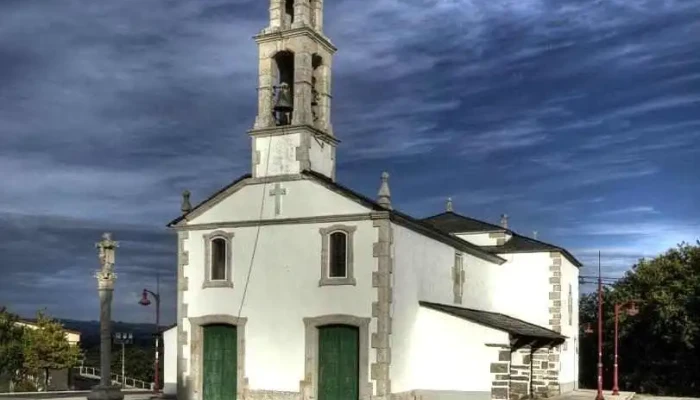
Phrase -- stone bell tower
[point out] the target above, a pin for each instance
(293, 130)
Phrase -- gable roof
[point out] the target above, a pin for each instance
(497, 321)
(400, 218)
(454, 223)
(208, 200)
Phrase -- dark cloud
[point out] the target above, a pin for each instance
(577, 118)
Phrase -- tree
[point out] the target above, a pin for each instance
(660, 347)
(47, 348)
(11, 356)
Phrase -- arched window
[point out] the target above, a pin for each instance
(338, 257)
(284, 63)
(218, 259)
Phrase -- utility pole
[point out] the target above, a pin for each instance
(123, 339)
(599, 396)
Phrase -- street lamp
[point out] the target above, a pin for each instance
(146, 302)
(123, 339)
(630, 307)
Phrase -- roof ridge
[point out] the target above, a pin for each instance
(498, 227)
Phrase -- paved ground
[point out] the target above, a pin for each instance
(648, 397)
(72, 396)
(586, 394)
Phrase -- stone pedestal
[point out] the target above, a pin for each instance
(101, 392)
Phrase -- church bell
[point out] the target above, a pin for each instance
(284, 103)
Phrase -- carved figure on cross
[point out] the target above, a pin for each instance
(278, 191)
(107, 252)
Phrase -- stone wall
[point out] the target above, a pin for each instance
(540, 370)
(520, 365)
(500, 374)
(552, 375)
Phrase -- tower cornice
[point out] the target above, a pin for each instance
(291, 129)
(277, 35)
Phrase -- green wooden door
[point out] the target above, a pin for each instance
(338, 362)
(219, 354)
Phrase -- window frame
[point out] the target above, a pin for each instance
(227, 237)
(349, 278)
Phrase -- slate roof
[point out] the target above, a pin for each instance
(396, 216)
(501, 322)
(522, 244)
(454, 223)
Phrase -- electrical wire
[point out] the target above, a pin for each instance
(257, 233)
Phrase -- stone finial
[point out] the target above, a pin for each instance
(186, 205)
(504, 221)
(449, 205)
(384, 196)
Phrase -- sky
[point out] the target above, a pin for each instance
(580, 119)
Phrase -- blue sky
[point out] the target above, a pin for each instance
(580, 119)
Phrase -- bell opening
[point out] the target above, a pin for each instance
(284, 88)
(316, 79)
(288, 13)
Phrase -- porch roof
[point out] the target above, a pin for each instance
(517, 328)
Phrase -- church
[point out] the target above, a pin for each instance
(293, 286)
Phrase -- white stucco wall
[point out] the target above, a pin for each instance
(170, 361)
(423, 271)
(283, 289)
(322, 157)
(282, 154)
(523, 288)
(304, 198)
(568, 374)
(480, 238)
(449, 353)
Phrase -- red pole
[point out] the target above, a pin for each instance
(616, 389)
(156, 385)
(599, 396)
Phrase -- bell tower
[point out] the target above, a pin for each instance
(293, 131)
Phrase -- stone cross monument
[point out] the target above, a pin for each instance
(105, 286)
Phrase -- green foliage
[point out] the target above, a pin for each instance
(47, 348)
(138, 362)
(659, 349)
(11, 336)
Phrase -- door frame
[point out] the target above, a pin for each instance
(311, 325)
(197, 325)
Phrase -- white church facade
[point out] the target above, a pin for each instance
(292, 286)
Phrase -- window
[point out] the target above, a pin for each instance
(570, 306)
(218, 259)
(458, 278)
(338, 260)
(337, 255)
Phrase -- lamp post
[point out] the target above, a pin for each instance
(599, 395)
(631, 308)
(146, 302)
(123, 339)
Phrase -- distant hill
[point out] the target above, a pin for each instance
(90, 331)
